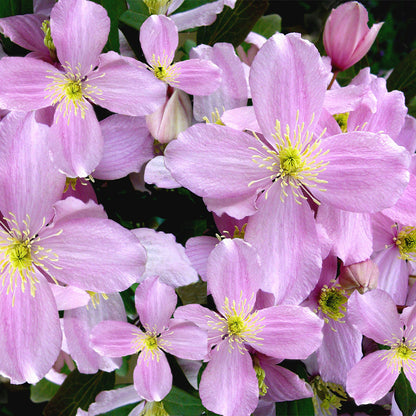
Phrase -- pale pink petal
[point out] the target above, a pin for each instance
(243, 118)
(291, 332)
(166, 258)
(375, 315)
(292, 90)
(229, 384)
(373, 373)
(157, 173)
(23, 83)
(76, 143)
(283, 385)
(78, 324)
(30, 335)
(277, 231)
(25, 30)
(342, 100)
(155, 303)
(79, 30)
(127, 146)
(88, 244)
(384, 231)
(83, 191)
(191, 370)
(233, 273)
(71, 208)
(367, 172)
(25, 166)
(339, 352)
(126, 88)
(115, 338)
(409, 369)
(152, 376)
(112, 399)
(69, 297)
(159, 40)
(185, 340)
(197, 250)
(407, 136)
(238, 207)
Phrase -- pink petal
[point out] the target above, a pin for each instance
(127, 146)
(152, 376)
(78, 324)
(115, 338)
(289, 276)
(197, 76)
(373, 373)
(229, 384)
(292, 89)
(375, 315)
(88, 244)
(197, 250)
(79, 31)
(367, 172)
(125, 87)
(24, 81)
(291, 332)
(157, 173)
(234, 273)
(159, 40)
(155, 303)
(243, 118)
(69, 297)
(30, 335)
(166, 258)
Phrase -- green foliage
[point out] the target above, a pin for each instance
(43, 391)
(303, 407)
(268, 25)
(233, 25)
(14, 7)
(193, 293)
(78, 390)
(181, 403)
(404, 395)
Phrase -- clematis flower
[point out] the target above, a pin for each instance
(347, 37)
(155, 303)
(45, 240)
(274, 174)
(79, 30)
(229, 384)
(375, 316)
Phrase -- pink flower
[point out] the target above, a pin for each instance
(347, 37)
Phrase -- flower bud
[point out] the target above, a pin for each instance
(362, 276)
(171, 118)
(347, 37)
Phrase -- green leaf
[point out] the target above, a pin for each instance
(115, 8)
(14, 7)
(133, 19)
(404, 395)
(180, 403)
(191, 4)
(193, 293)
(138, 6)
(78, 390)
(233, 25)
(43, 391)
(268, 25)
(303, 407)
(403, 77)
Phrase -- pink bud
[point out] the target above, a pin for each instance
(347, 37)
(362, 276)
(171, 118)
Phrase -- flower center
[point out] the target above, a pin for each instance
(150, 342)
(327, 396)
(401, 354)
(162, 69)
(342, 120)
(332, 303)
(406, 243)
(236, 325)
(295, 160)
(157, 6)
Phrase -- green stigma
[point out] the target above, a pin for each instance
(154, 409)
(157, 6)
(236, 325)
(327, 396)
(332, 303)
(19, 256)
(150, 342)
(261, 375)
(290, 160)
(342, 120)
(406, 243)
(73, 89)
(403, 352)
(70, 182)
(160, 72)
(47, 40)
(239, 233)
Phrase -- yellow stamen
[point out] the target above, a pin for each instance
(406, 243)
(327, 396)
(157, 6)
(342, 120)
(162, 69)
(332, 303)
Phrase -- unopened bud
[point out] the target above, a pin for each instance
(362, 276)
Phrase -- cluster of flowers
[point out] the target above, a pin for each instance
(312, 188)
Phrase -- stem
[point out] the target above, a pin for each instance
(333, 79)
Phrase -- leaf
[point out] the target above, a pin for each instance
(14, 7)
(43, 391)
(191, 4)
(404, 395)
(115, 8)
(78, 390)
(193, 293)
(268, 25)
(303, 407)
(180, 403)
(138, 6)
(403, 77)
(233, 25)
(133, 19)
